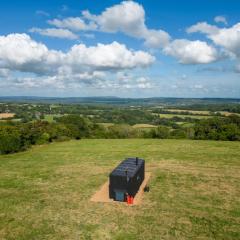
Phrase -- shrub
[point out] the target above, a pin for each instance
(9, 140)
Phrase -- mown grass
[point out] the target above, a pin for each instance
(194, 191)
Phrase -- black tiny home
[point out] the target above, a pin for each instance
(126, 178)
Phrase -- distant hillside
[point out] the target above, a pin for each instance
(118, 101)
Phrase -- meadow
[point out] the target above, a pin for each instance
(194, 191)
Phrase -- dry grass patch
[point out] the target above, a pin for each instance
(144, 126)
(6, 115)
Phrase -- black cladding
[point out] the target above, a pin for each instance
(126, 178)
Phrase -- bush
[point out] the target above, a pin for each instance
(178, 134)
(79, 127)
(121, 131)
(44, 138)
(9, 140)
(218, 129)
(160, 132)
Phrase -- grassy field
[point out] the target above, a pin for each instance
(141, 125)
(190, 111)
(50, 117)
(171, 115)
(194, 112)
(194, 191)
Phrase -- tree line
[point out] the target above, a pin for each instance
(18, 136)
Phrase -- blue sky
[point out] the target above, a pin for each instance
(120, 48)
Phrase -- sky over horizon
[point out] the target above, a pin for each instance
(139, 48)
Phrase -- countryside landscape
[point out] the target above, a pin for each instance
(66, 152)
(119, 120)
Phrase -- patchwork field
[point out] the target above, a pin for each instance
(194, 191)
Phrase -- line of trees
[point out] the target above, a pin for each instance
(17, 136)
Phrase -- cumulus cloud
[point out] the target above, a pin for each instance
(228, 38)
(127, 17)
(203, 27)
(55, 32)
(191, 52)
(220, 19)
(110, 56)
(18, 52)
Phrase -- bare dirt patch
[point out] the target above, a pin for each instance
(102, 195)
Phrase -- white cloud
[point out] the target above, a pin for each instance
(156, 38)
(129, 81)
(81, 64)
(191, 52)
(110, 56)
(144, 83)
(74, 24)
(220, 19)
(55, 32)
(96, 80)
(228, 38)
(4, 72)
(203, 27)
(127, 17)
(20, 52)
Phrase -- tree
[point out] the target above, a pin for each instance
(9, 140)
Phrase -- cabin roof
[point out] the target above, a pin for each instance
(127, 167)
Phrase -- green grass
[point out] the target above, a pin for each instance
(194, 191)
(50, 117)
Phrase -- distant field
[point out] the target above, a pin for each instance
(228, 113)
(141, 125)
(6, 115)
(194, 191)
(190, 111)
(224, 113)
(50, 117)
(107, 124)
(166, 115)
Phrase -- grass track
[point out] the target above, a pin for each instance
(194, 191)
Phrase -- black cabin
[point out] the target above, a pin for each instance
(126, 178)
